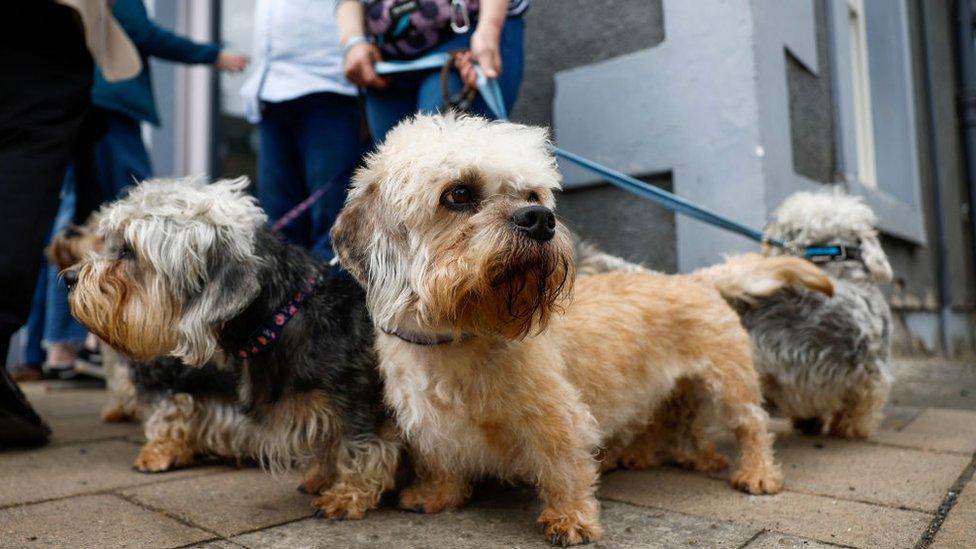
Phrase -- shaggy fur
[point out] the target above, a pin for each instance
(823, 360)
(530, 384)
(67, 248)
(189, 271)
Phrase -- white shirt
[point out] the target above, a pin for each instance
(296, 52)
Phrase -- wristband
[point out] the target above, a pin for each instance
(353, 42)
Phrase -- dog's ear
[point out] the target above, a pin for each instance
(231, 286)
(354, 230)
(875, 259)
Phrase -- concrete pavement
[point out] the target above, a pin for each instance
(910, 486)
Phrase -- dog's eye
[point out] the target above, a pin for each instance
(459, 197)
(533, 197)
(126, 252)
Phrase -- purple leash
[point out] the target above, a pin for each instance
(298, 210)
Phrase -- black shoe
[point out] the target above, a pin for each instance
(19, 423)
(89, 363)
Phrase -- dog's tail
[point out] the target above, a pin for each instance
(748, 277)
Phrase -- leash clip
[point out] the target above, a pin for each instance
(460, 19)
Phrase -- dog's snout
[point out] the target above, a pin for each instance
(70, 278)
(536, 222)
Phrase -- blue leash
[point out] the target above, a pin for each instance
(492, 95)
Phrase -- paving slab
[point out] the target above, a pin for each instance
(502, 518)
(92, 521)
(935, 383)
(859, 471)
(811, 516)
(58, 471)
(937, 429)
(896, 418)
(66, 403)
(959, 528)
(229, 503)
(775, 540)
(89, 427)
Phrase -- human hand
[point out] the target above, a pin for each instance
(358, 66)
(485, 49)
(231, 62)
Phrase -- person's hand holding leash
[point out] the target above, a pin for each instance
(358, 65)
(485, 48)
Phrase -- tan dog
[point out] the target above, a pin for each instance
(490, 368)
(67, 248)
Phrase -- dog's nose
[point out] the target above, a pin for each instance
(70, 278)
(536, 222)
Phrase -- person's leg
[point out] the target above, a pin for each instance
(63, 335)
(430, 97)
(121, 159)
(386, 108)
(34, 332)
(45, 94)
(328, 139)
(281, 179)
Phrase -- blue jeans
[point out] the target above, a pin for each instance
(411, 93)
(119, 155)
(117, 159)
(303, 144)
(34, 329)
(59, 325)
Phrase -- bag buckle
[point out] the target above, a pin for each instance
(460, 19)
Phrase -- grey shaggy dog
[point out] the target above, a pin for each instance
(191, 271)
(823, 361)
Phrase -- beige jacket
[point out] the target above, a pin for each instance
(111, 48)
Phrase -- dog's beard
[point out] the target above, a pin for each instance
(491, 280)
(134, 319)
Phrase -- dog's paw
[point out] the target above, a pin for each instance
(570, 528)
(115, 413)
(854, 430)
(630, 459)
(344, 503)
(432, 497)
(759, 481)
(313, 483)
(705, 462)
(156, 458)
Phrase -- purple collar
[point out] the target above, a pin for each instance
(418, 338)
(267, 335)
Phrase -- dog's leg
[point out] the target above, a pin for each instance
(169, 433)
(316, 479)
(365, 469)
(736, 388)
(435, 490)
(122, 405)
(644, 451)
(861, 409)
(561, 438)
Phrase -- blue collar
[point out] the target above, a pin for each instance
(830, 254)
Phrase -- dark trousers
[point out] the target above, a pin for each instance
(44, 97)
(304, 144)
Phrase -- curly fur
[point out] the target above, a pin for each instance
(190, 271)
(537, 374)
(825, 362)
(823, 359)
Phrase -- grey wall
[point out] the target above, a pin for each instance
(563, 34)
(811, 109)
(622, 224)
(919, 268)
